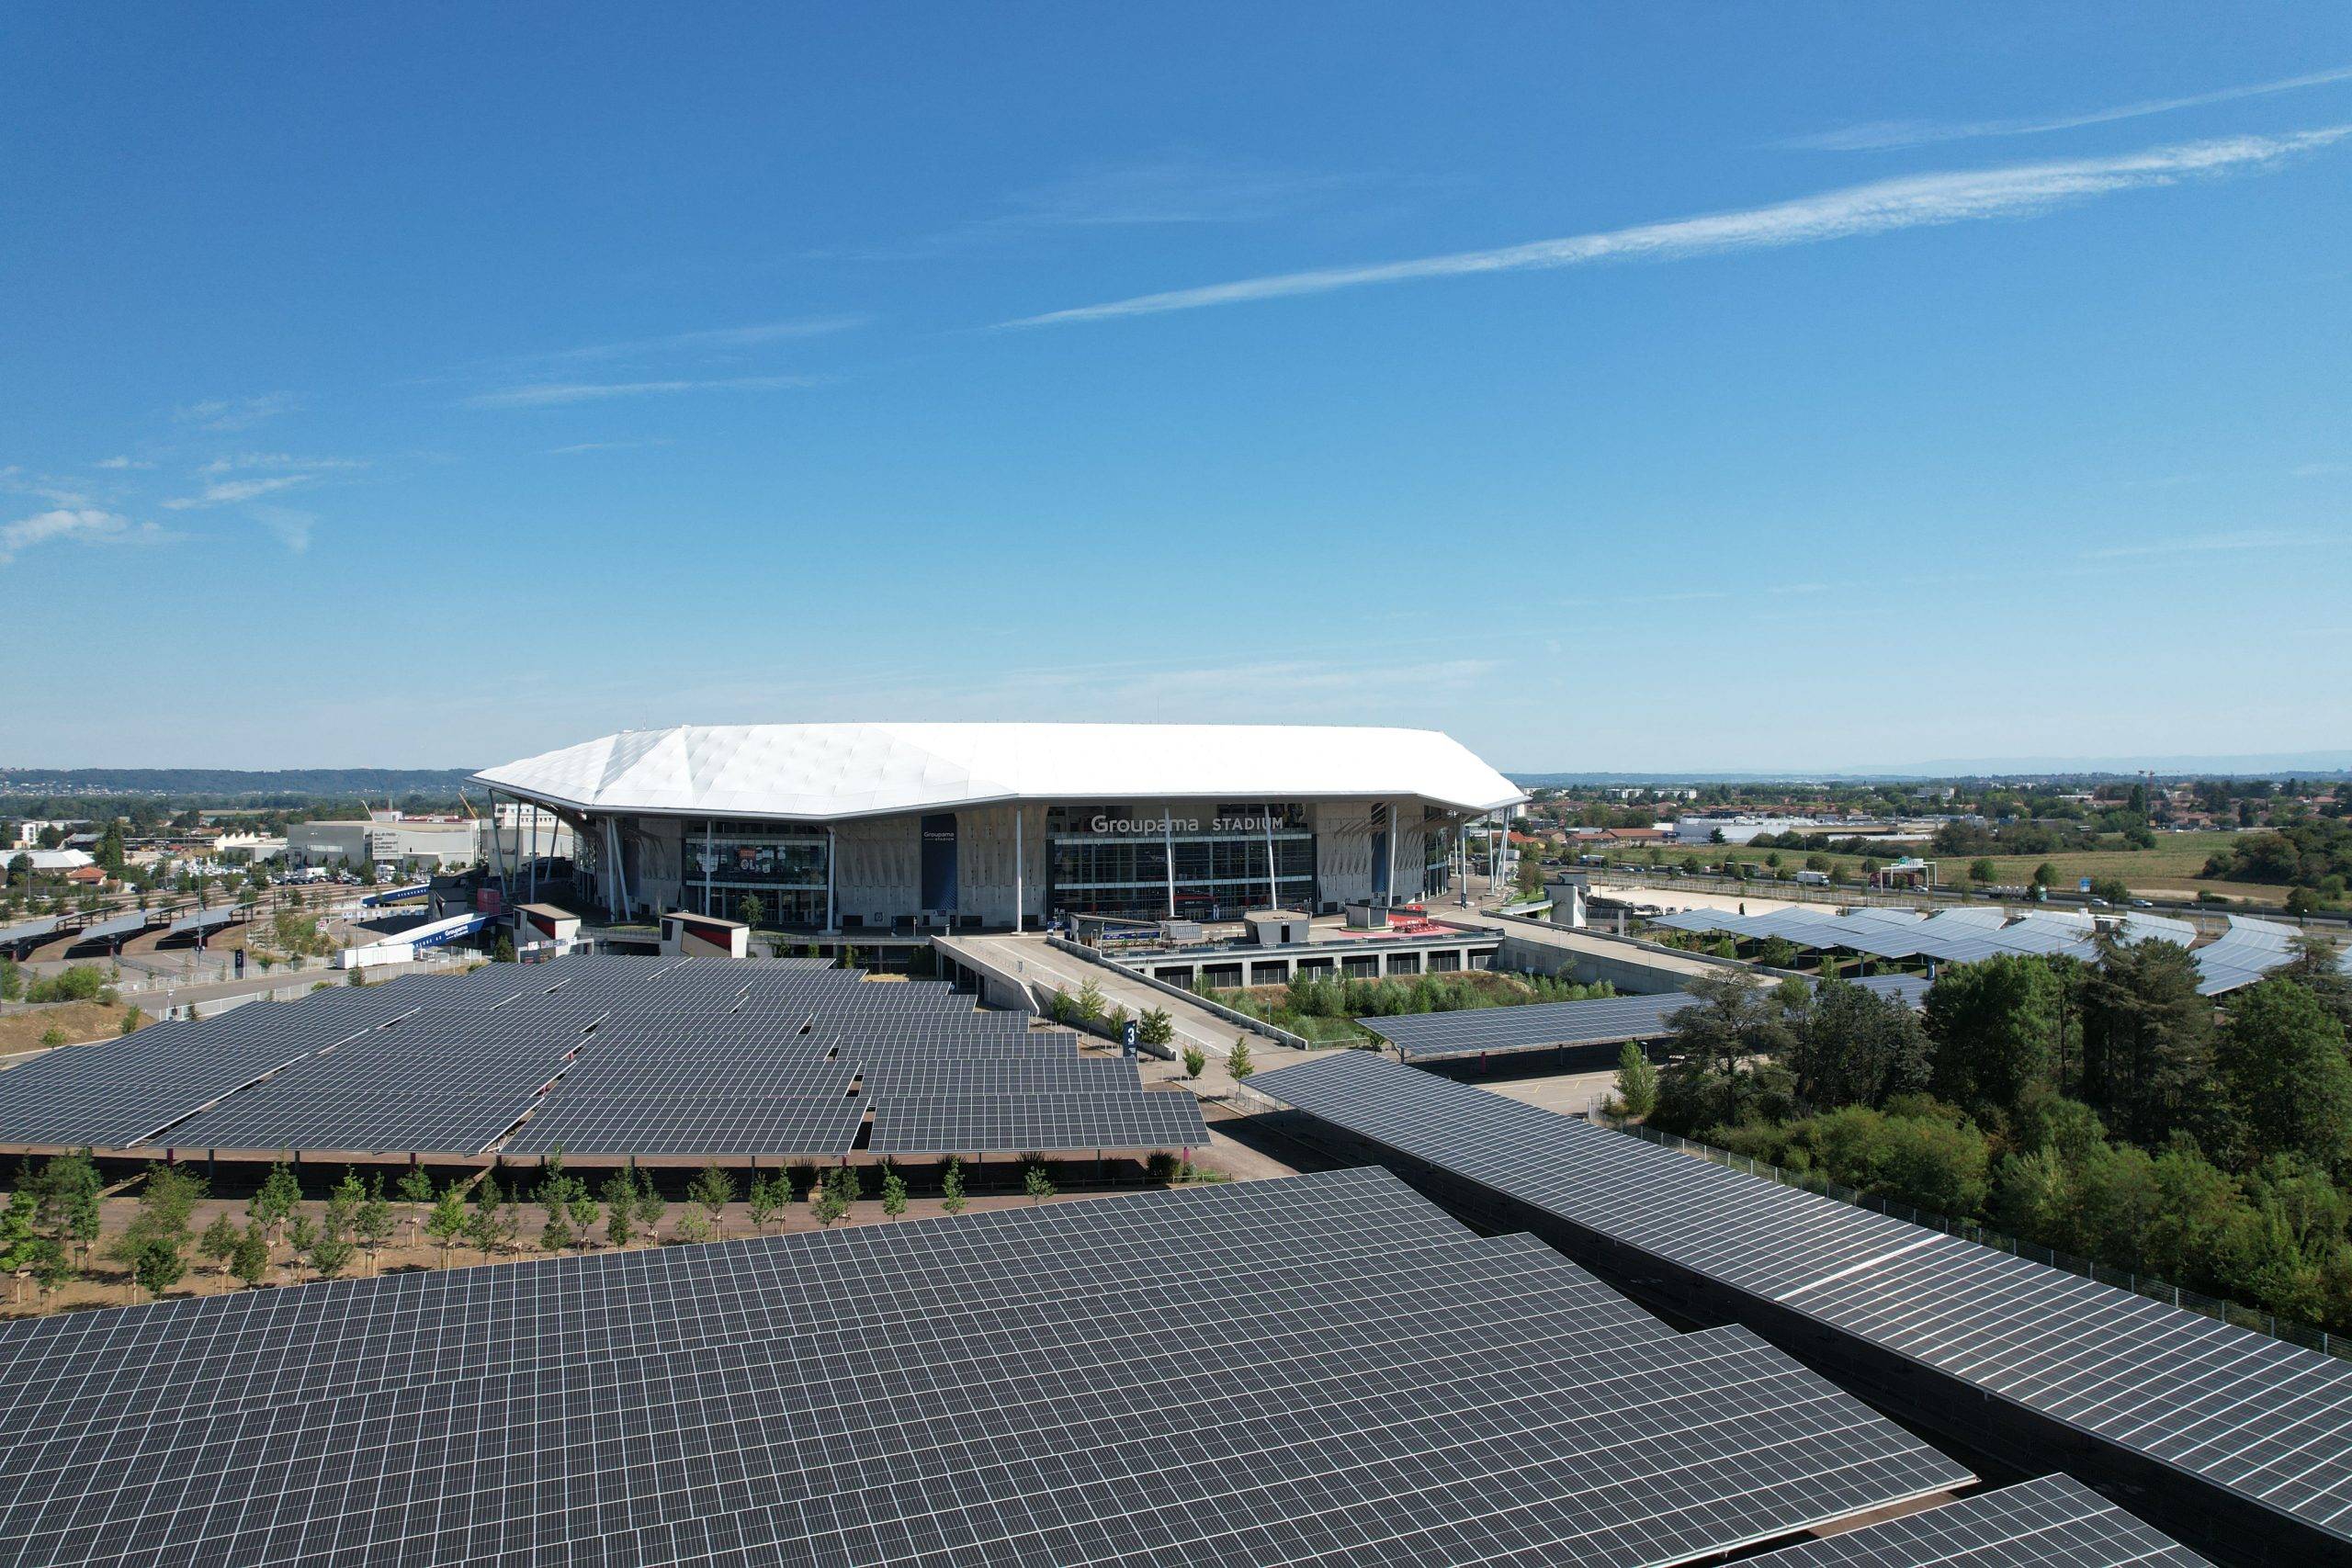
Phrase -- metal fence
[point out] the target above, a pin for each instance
(2146, 1285)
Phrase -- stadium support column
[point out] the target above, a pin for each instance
(1019, 869)
(1167, 848)
(1395, 832)
(710, 865)
(832, 853)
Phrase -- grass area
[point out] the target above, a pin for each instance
(2167, 871)
(1446, 992)
(79, 1021)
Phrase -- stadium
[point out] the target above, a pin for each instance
(903, 826)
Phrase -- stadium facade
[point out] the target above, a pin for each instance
(841, 827)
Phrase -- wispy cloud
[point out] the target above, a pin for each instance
(1169, 192)
(711, 339)
(267, 461)
(85, 525)
(122, 463)
(2209, 544)
(1881, 205)
(288, 525)
(546, 394)
(1883, 134)
(236, 413)
(228, 493)
(2320, 470)
(577, 447)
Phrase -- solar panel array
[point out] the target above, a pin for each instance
(25, 930)
(1542, 1026)
(2246, 951)
(602, 1056)
(2267, 1421)
(1001, 1388)
(2055, 1521)
(1950, 936)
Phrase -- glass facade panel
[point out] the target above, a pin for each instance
(1111, 860)
(781, 867)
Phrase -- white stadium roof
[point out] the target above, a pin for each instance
(830, 770)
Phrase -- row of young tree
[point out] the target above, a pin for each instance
(2104, 1109)
(51, 1227)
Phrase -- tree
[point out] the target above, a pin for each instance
(273, 1203)
(1725, 1044)
(218, 1243)
(330, 1254)
(1981, 870)
(493, 1224)
(714, 1188)
(2045, 874)
(751, 909)
(650, 1208)
(2147, 1042)
(1855, 1047)
(504, 951)
(1236, 1061)
(2316, 967)
(1035, 1183)
(415, 1192)
(65, 1200)
(1997, 1030)
(1194, 1060)
(951, 1187)
(20, 1238)
(770, 1195)
(156, 1265)
(1090, 1001)
(251, 1261)
(832, 1202)
(375, 1223)
(571, 1212)
(1637, 1081)
(620, 1207)
(1155, 1027)
(446, 1223)
(2281, 1059)
(340, 1215)
(894, 1193)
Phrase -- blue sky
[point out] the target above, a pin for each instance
(1674, 386)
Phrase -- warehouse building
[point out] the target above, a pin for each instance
(841, 827)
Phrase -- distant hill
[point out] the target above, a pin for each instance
(2296, 765)
(181, 783)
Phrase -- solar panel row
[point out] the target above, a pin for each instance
(2055, 1521)
(999, 1389)
(2269, 1422)
(1437, 1036)
(600, 1056)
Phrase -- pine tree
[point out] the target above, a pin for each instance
(894, 1193)
(1236, 1061)
(951, 1187)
